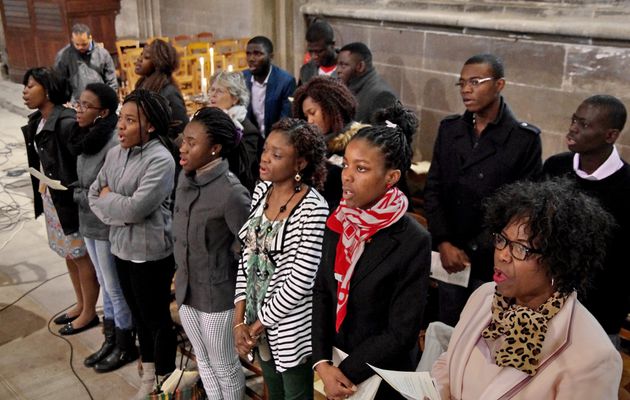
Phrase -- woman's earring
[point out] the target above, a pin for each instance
(298, 180)
(213, 153)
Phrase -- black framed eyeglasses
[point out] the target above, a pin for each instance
(518, 250)
(474, 82)
(84, 106)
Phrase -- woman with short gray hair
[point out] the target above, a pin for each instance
(229, 92)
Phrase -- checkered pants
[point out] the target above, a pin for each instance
(212, 340)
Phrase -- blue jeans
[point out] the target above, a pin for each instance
(114, 305)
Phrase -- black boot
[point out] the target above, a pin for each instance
(108, 345)
(124, 352)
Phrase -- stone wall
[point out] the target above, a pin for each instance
(556, 53)
(225, 18)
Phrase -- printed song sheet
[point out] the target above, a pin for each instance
(412, 385)
(365, 391)
(438, 272)
(51, 183)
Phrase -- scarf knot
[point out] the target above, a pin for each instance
(356, 226)
(523, 329)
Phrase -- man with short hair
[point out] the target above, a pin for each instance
(475, 153)
(355, 69)
(593, 162)
(82, 62)
(269, 85)
(320, 44)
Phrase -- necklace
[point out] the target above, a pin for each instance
(282, 209)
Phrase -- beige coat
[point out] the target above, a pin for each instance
(578, 359)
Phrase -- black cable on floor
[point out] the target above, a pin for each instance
(71, 348)
(51, 332)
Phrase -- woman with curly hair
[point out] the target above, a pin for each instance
(526, 335)
(282, 242)
(371, 286)
(329, 104)
(155, 66)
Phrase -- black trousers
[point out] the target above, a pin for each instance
(147, 290)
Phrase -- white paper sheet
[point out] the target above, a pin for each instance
(51, 183)
(412, 385)
(365, 391)
(438, 272)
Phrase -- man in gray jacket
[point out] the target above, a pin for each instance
(82, 62)
(355, 69)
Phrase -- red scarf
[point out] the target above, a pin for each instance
(355, 226)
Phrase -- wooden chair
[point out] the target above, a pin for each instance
(164, 38)
(185, 76)
(125, 44)
(205, 37)
(128, 70)
(242, 44)
(226, 46)
(237, 60)
(182, 40)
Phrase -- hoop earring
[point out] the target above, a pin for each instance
(298, 177)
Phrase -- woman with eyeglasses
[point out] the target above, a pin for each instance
(525, 335)
(47, 135)
(93, 136)
(229, 92)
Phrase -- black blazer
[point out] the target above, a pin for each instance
(388, 292)
(55, 157)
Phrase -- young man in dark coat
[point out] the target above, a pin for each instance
(355, 69)
(475, 153)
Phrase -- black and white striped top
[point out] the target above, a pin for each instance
(295, 252)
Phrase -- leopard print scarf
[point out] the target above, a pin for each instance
(524, 330)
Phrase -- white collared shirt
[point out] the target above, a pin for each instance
(609, 167)
(259, 92)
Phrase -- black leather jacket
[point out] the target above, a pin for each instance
(54, 158)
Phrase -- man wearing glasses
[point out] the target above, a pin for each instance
(82, 62)
(475, 153)
(594, 163)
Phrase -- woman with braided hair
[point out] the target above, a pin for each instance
(371, 286)
(132, 195)
(407, 121)
(210, 208)
(329, 104)
(155, 66)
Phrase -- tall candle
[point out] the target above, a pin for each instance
(211, 61)
(204, 87)
(203, 71)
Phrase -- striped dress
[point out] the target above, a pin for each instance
(295, 252)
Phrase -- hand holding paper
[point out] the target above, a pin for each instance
(51, 183)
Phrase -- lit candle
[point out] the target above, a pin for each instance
(211, 61)
(201, 62)
(204, 87)
(230, 68)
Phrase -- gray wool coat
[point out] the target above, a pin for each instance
(209, 211)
